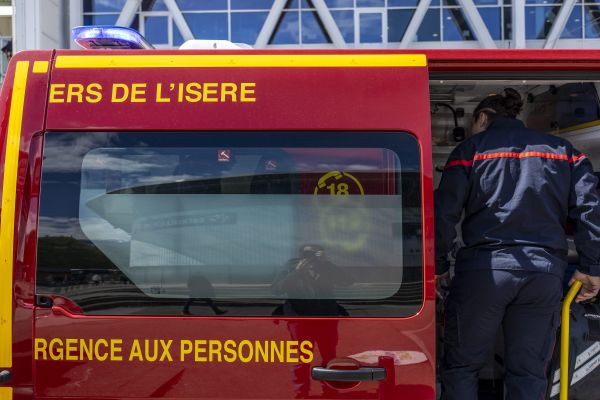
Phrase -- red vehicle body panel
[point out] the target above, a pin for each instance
(281, 103)
(305, 99)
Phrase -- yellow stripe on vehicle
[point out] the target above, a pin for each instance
(40, 67)
(7, 216)
(585, 125)
(241, 60)
(6, 393)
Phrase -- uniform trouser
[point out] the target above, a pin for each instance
(526, 305)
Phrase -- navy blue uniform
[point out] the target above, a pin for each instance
(517, 188)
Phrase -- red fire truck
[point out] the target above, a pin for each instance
(241, 223)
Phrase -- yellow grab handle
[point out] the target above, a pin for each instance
(564, 340)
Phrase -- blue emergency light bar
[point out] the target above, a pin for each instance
(109, 37)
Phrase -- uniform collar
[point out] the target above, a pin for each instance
(503, 122)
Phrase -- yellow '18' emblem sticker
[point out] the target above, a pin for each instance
(343, 221)
(338, 183)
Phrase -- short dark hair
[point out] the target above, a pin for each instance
(508, 105)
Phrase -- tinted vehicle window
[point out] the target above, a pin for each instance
(313, 224)
(563, 107)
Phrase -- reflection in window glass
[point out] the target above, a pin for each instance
(195, 5)
(103, 5)
(573, 28)
(251, 4)
(398, 21)
(492, 20)
(403, 3)
(157, 5)
(592, 21)
(156, 29)
(539, 20)
(371, 27)
(177, 37)
(345, 22)
(292, 4)
(130, 222)
(455, 25)
(135, 24)
(507, 23)
(429, 30)
(312, 29)
(339, 3)
(485, 2)
(207, 26)
(105, 19)
(287, 30)
(370, 3)
(543, 1)
(246, 26)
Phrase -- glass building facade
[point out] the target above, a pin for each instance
(361, 23)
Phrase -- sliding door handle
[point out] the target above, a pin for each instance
(348, 375)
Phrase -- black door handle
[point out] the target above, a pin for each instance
(348, 375)
(4, 376)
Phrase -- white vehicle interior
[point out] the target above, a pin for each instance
(566, 108)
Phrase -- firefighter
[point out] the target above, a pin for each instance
(517, 188)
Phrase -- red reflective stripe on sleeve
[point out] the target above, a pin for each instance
(551, 156)
(488, 156)
(507, 154)
(456, 163)
(526, 154)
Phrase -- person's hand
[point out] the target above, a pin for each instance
(589, 288)
(439, 280)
